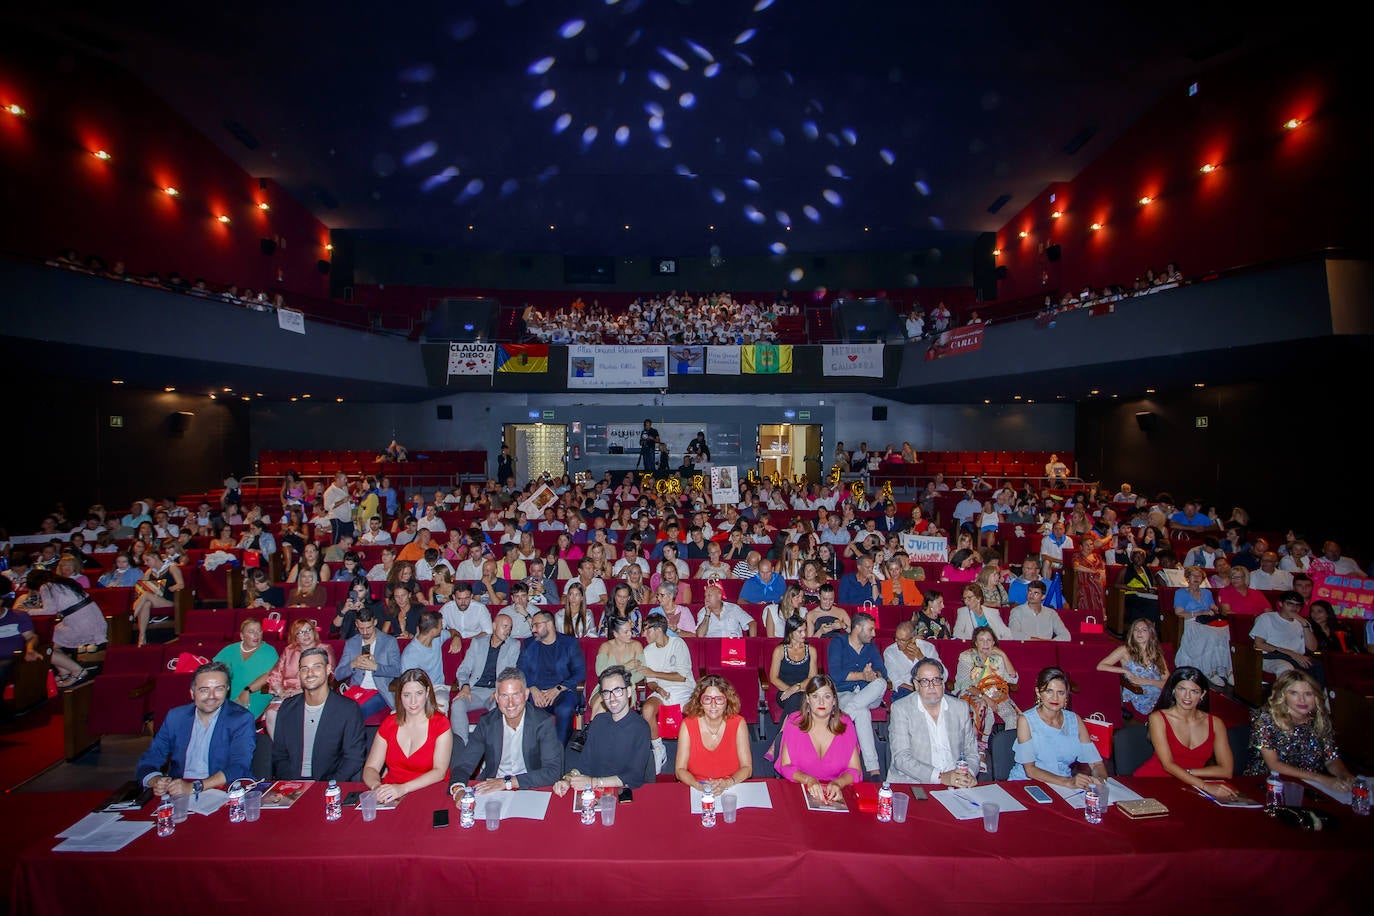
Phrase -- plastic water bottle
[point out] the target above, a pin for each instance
(166, 826)
(885, 803)
(962, 766)
(237, 812)
(333, 801)
(1359, 796)
(708, 807)
(588, 806)
(1273, 793)
(1092, 805)
(467, 808)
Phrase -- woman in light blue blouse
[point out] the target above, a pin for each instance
(1050, 738)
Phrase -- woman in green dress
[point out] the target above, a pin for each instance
(249, 659)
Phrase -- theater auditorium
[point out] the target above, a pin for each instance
(512, 456)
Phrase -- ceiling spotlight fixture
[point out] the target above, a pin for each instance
(245, 398)
(329, 247)
(102, 155)
(1056, 214)
(170, 191)
(259, 394)
(1022, 234)
(1292, 124)
(223, 219)
(986, 401)
(213, 396)
(169, 388)
(996, 252)
(305, 395)
(226, 390)
(293, 400)
(264, 205)
(116, 381)
(1094, 391)
(551, 226)
(1149, 391)
(1095, 226)
(15, 110)
(1146, 201)
(338, 400)
(1208, 168)
(1016, 397)
(1199, 385)
(627, 225)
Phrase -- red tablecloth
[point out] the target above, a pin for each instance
(660, 860)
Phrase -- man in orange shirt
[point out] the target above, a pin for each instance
(415, 550)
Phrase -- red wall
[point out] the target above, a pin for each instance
(1277, 193)
(66, 198)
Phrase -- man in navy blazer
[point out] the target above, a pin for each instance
(319, 733)
(517, 743)
(205, 744)
(371, 660)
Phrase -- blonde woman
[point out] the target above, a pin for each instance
(1292, 735)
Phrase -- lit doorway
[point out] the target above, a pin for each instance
(790, 450)
(539, 449)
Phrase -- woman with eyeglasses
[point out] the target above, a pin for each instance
(713, 746)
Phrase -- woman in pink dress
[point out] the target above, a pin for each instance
(819, 746)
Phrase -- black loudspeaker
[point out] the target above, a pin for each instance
(443, 411)
(179, 422)
(268, 246)
(1054, 252)
(880, 413)
(1000, 273)
(322, 266)
(1146, 420)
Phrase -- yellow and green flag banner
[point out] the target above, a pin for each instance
(766, 359)
(522, 358)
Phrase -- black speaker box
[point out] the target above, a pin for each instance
(880, 413)
(1054, 252)
(322, 266)
(179, 422)
(1146, 420)
(1000, 273)
(268, 246)
(443, 411)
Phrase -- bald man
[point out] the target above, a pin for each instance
(474, 687)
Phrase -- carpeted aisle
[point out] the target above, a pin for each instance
(30, 744)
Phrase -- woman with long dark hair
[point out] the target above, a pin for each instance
(1190, 743)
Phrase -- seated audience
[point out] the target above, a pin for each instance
(616, 754)
(1141, 667)
(319, 732)
(856, 666)
(248, 660)
(817, 747)
(669, 679)
(369, 661)
(1292, 735)
(975, 614)
(793, 664)
(1036, 621)
(426, 652)
(1190, 743)
(984, 680)
(474, 686)
(553, 666)
(179, 761)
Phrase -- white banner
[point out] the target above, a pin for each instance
(725, 485)
(617, 367)
(676, 435)
(923, 549)
(853, 359)
(471, 359)
(722, 360)
(291, 320)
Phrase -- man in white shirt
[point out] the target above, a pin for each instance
(379, 572)
(901, 658)
(593, 589)
(470, 568)
(834, 532)
(432, 522)
(1034, 621)
(375, 534)
(929, 733)
(1269, 577)
(339, 504)
(966, 510)
(463, 617)
(1332, 561)
(1286, 638)
(723, 618)
(550, 522)
(631, 557)
(1056, 469)
(517, 744)
(1053, 545)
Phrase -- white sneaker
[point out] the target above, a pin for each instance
(660, 755)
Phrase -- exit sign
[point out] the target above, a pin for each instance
(548, 415)
(803, 415)
(1200, 422)
(116, 422)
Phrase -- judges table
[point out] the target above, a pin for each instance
(658, 858)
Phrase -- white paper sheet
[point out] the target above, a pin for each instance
(210, 801)
(89, 824)
(1342, 797)
(112, 837)
(525, 803)
(965, 804)
(750, 795)
(1116, 792)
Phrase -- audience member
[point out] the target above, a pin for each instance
(369, 662)
(859, 677)
(713, 745)
(1190, 743)
(1292, 735)
(516, 743)
(319, 733)
(1050, 738)
(1034, 620)
(817, 747)
(931, 732)
(206, 744)
(553, 666)
(474, 686)
(248, 660)
(616, 754)
(392, 772)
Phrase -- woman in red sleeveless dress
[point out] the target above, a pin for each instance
(1190, 743)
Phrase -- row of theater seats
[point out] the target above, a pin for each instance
(313, 463)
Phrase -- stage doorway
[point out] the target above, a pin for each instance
(539, 449)
(790, 450)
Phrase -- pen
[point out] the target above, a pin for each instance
(1075, 794)
(967, 799)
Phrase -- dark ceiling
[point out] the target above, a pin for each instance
(861, 126)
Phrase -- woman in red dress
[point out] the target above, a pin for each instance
(1190, 743)
(412, 746)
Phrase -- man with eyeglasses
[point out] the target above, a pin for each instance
(616, 754)
(929, 732)
(205, 744)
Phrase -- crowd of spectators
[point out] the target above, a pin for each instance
(96, 266)
(1149, 284)
(677, 318)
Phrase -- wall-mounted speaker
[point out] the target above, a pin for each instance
(443, 411)
(880, 413)
(179, 422)
(1146, 420)
(1054, 252)
(268, 246)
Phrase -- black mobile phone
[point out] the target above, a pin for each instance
(918, 793)
(351, 799)
(366, 650)
(441, 817)
(627, 796)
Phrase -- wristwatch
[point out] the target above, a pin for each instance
(509, 784)
(197, 787)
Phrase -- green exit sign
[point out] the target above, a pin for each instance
(803, 415)
(116, 422)
(548, 415)
(1200, 422)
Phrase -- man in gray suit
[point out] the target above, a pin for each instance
(475, 683)
(516, 742)
(929, 732)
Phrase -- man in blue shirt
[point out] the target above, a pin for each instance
(860, 678)
(553, 665)
(16, 636)
(205, 744)
(765, 588)
(387, 495)
(858, 587)
(1189, 517)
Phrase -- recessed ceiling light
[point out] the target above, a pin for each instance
(116, 381)
(1149, 391)
(102, 155)
(264, 205)
(293, 400)
(16, 110)
(338, 400)
(1022, 234)
(329, 246)
(169, 388)
(245, 398)
(1056, 214)
(1208, 168)
(1146, 200)
(226, 390)
(1016, 397)
(986, 401)
(1116, 395)
(170, 191)
(1292, 124)
(305, 395)
(223, 219)
(1094, 391)
(1095, 226)
(213, 396)
(996, 252)
(259, 394)
(1199, 385)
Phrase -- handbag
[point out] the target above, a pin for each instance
(274, 623)
(669, 721)
(359, 695)
(1089, 625)
(186, 663)
(1100, 732)
(732, 651)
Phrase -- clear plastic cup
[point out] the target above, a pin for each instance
(991, 813)
(252, 806)
(368, 802)
(181, 808)
(900, 802)
(493, 810)
(729, 806)
(607, 805)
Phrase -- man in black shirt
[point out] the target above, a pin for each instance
(617, 751)
(698, 448)
(648, 447)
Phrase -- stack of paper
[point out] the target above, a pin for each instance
(750, 795)
(967, 804)
(1340, 795)
(524, 803)
(1116, 792)
(88, 835)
